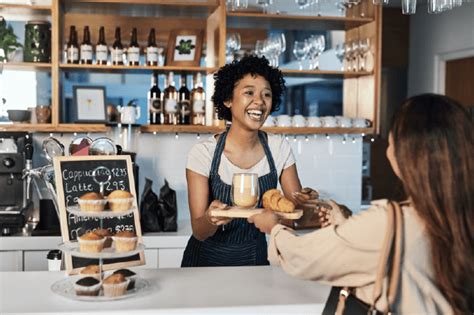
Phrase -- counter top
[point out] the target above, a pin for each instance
(151, 240)
(212, 290)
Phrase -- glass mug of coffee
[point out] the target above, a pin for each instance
(245, 190)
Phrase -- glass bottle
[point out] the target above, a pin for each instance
(155, 108)
(133, 51)
(101, 53)
(198, 102)
(171, 102)
(72, 47)
(184, 98)
(152, 49)
(117, 49)
(86, 47)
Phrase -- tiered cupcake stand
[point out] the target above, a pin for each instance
(65, 287)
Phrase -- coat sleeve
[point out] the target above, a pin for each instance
(346, 254)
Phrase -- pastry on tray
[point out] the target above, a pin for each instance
(125, 241)
(91, 271)
(91, 242)
(120, 200)
(108, 236)
(115, 285)
(130, 275)
(92, 202)
(273, 199)
(88, 286)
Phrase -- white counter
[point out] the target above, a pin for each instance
(218, 290)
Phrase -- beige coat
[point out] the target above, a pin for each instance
(347, 254)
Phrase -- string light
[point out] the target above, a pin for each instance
(51, 134)
(154, 133)
(353, 140)
(363, 135)
(372, 139)
(286, 137)
(294, 139)
(306, 138)
(198, 136)
(75, 134)
(176, 136)
(328, 137)
(344, 140)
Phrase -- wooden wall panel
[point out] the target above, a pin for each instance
(459, 81)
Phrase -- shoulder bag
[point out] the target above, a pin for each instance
(342, 300)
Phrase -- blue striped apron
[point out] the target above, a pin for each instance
(239, 243)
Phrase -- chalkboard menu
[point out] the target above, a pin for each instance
(77, 175)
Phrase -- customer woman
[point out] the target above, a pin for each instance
(246, 92)
(431, 149)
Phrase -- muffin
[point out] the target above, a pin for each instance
(108, 236)
(128, 274)
(115, 285)
(91, 271)
(125, 241)
(87, 286)
(120, 200)
(92, 202)
(91, 242)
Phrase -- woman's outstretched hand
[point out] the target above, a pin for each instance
(217, 205)
(331, 213)
(264, 221)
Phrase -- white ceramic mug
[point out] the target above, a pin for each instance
(344, 122)
(269, 122)
(329, 121)
(314, 121)
(299, 121)
(129, 114)
(283, 121)
(360, 123)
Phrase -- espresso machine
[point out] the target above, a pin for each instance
(16, 154)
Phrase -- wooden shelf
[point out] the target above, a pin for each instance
(276, 130)
(81, 128)
(187, 3)
(180, 129)
(323, 73)
(107, 68)
(293, 22)
(25, 6)
(25, 65)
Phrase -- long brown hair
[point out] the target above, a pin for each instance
(434, 148)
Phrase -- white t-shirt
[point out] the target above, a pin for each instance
(201, 154)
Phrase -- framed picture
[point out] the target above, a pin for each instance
(184, 48)
(89, 104)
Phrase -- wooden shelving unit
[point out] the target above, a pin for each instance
(360, 89)
(26, 66)
(106, 68)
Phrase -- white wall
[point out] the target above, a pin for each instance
(328, 165)
(436, 34)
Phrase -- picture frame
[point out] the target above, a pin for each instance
(184, 48)
(89, 104)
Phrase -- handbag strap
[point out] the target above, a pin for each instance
(392, 242)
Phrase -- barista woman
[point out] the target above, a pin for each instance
(246, 92)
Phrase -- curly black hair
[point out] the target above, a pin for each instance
(229, 75)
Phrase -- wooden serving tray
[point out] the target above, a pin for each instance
(234, 212)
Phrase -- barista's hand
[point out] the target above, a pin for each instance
(217, 205)
(264, 221)
(331, 213)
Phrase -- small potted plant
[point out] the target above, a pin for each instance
(8, 40)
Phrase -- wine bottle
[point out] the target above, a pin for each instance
(152, 49)
(155, 108)
(101, 54)
(86, 47)
(184, 97)
(133, 51)
(117, 49)
(198, 102)
(72, 47)
(171, 102)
